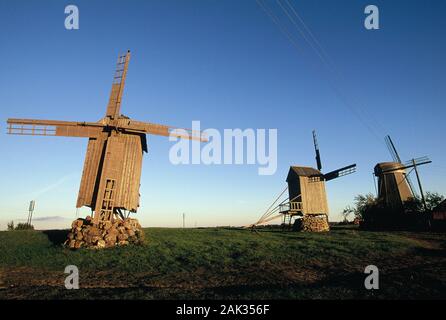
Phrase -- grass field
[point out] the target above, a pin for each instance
(223, 263)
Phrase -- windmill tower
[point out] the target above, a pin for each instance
(306, 188)
(394, 184)
(112, 168)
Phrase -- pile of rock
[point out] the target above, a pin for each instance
(312, 223)
(84, 234)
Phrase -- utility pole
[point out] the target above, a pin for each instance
(32, 204)
(419, 184)
(184, 220)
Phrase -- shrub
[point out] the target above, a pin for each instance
(375, 215)
(11, 226)
(24, 226)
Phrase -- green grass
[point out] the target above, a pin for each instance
(228, 263)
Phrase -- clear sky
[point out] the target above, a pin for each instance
(227, 64)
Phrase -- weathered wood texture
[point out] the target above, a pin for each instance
(309, 183)
(123, 162)
(114, 102)
(53, 128)
(90, 178)
(314, 198)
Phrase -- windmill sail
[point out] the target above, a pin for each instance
(35, 127)
(396, 158)
(114, 103)
(410, 164)
(316, 149)
(340, 172)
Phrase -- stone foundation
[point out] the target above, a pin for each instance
(108, 234)
(310, 223)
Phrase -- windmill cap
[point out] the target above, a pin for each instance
(302, 171)
(381, 167)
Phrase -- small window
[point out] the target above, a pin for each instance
(314, 179)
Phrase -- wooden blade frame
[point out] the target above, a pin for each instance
(404, 167)
(316, 149)
(114, 102)
(340, 172)
(162, 130)
(36, 127)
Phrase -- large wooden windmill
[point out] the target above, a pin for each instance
(112, 168)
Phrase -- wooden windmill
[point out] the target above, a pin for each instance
(112, 168)
(306, 188)
(394, 184)
(306, 192)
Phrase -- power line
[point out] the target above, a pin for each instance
(326, 60)
(301, 32)
(310, 33)
(274, 18)
(337, 71)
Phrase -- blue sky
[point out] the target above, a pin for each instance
(228, 65)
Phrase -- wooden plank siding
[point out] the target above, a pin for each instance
(314, 197)
(122, 163)
(87, 188)
(129, 173)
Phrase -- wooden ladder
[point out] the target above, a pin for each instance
(108, 200)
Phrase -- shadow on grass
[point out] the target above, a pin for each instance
(56, 237)
(343, 286)
(428, 252)
(349, 227)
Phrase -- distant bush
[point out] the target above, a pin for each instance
(433, 199)
(19, 226)
(11, 226)
(373, 214)
(362, 205)
(24, 226)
